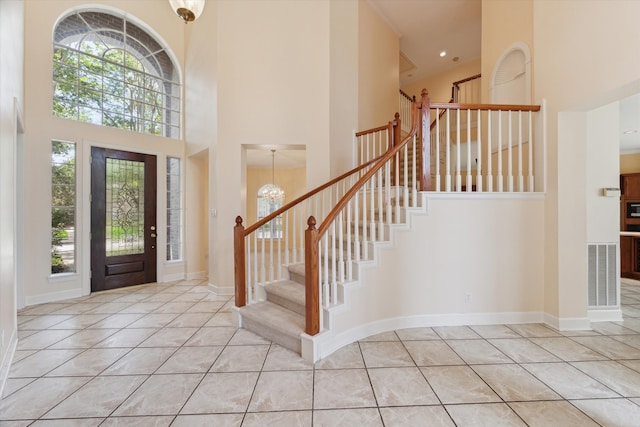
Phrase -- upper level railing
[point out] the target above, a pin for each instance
(483, 148)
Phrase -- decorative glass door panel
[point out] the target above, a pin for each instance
(123, 209)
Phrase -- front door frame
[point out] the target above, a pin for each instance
(151, 180)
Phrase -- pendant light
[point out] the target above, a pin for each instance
(188, 10)
(272, 192)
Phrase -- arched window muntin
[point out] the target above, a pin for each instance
(265, 206)
(110, 71)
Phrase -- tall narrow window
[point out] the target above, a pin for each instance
(266, 205)
(111, 72)
(174, 210)
(63, 207)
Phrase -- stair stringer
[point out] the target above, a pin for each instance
(328, 341)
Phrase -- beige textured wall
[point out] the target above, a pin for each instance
(439, 85)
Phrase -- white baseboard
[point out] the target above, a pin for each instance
(567, 323)
(172, 277)
(7, 358)
(323, 344)
(52, 296)
(606, 315)
(221, 290)
(197, 275)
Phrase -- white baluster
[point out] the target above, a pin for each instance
(499, 177)
(325, 269)
(510, 156)
(489, 149)
(530, 188)
(249, 277)
(479, 158)
(341, 272)
(520, 176)
(380, 205)
(469, 177)
(458, 142)
(414, 180)
(349, 241)
(356, 226)
(437, 149)
(447, 177)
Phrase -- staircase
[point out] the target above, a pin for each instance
(280, 317)
(303, 290)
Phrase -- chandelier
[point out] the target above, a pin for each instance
(188, 10)
(272, 192)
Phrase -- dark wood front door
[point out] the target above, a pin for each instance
(123, 219)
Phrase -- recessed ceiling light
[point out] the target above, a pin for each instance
(443, 53)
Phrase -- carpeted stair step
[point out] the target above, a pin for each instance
(275, 323)
(288, 294)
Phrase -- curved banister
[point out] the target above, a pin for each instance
(382, 160)
(307, 195)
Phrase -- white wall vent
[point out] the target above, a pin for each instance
(603, 274)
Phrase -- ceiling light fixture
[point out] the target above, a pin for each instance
(443, 53)
(272, 192)
(188, 10)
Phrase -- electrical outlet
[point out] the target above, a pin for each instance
(467, 297)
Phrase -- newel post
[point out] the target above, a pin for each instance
(312, 289)
(239, 263)
(396, 130)
(425, 138)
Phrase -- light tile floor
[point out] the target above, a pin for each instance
(167, 354)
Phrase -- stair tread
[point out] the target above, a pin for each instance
(288, 289)
(276, 317)
(296, 268)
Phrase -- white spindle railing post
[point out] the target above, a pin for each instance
(510, 155)
(437, 147)
(469, 177)
(530, 186)
(380, 198)
(349, 242)
(447, 184)
(458, 142)
(520, 176)
(489, 149)
(479, 151)
(414, 170)
(356, 227)
(499, 177)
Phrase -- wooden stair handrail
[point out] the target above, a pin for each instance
(392, 124)
(240, 233)
(356, 187)
(484, 107)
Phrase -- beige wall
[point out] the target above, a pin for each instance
(581, 62)
(504, 22)
(379, 72)
(40, 18)
(196, 215)
(272, 89)
(344, 84)
(630, 163)
(439, 85)
(11, 103)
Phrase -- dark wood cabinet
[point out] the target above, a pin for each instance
(630, 223)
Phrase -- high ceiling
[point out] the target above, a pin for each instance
(428, 27)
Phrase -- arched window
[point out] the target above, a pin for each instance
(270, 199)
(109, 71)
